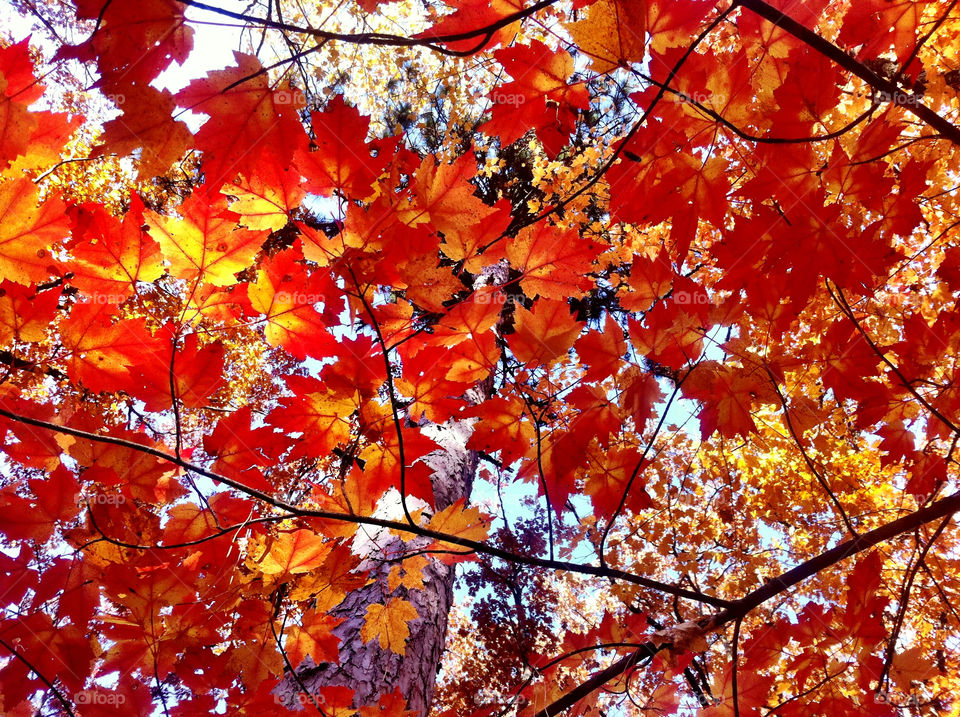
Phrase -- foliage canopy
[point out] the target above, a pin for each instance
(666, 288)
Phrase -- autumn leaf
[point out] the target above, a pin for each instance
(872, 25)
(601, 351)
(752, 689)
(864, 602)
(133, 44)
(669, 335)
(147, 125)
(650, 280)
(502, 427)
(469, 15)
(140, 475)
(299, 551)
(318, 413)
(912, 665)
(29, 229)
(641, 392)
(927, 473)
(430, 396)
(110, 256)
(340, 156)
(608, 480)
(388, 623)
(545, 334)
(313, 637)
(24, 313)
(190, 373)
(188, 523)
(728, 395)
(288, 299)
(56, 495)
(612, 34)
(241, 450)
(392, 704)
(444, 197)
(17, 123)
(458, 521)
(65, 646)
(102, 353)
(898, 442)
(653, 304)
(539, 98)
(670, 23)
(466, 332)
(538, 70)
(19, 73)
(266, 198)
(55, 501)
(555, 264)
(204, 243)
(249, 119)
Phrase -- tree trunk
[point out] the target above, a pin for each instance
(364, 667)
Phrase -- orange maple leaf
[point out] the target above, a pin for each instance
(613, 34)
(29, 229)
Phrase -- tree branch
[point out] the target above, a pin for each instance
(57, 693)
(910, 102)
(379, 38)
(531, 561)
(742, 607)
(841, 301)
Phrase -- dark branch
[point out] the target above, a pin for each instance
(742, 607)
(595, 570)
(910, 102)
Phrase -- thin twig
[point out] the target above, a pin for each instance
(59, 695)
(401, 527)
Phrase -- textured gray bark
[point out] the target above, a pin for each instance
(364, 667)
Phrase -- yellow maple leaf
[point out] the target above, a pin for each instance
(460, 521)
(388, 624)
(409, 573)
(265, 199)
